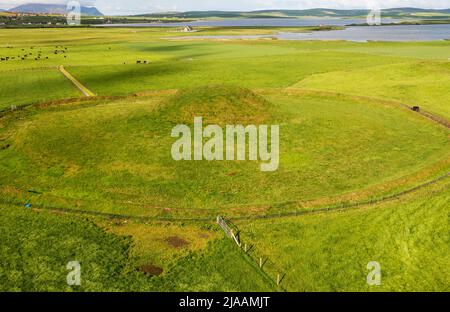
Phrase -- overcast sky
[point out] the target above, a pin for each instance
(148, 6)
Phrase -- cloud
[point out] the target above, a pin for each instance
(8, 4)
(146, 6)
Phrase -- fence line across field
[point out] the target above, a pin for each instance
(229, 231)
(264, 264)
(336, 207)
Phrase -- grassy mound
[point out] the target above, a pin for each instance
(217, 104)
(116, 156)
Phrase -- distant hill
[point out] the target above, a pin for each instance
(320, 12)
(40, 8)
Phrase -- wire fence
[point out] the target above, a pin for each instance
(209, 218)
(269, 268)
(266, 266)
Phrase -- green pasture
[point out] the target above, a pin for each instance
(37, 246)
(36, 249)
(330, 252)
(22, 87)
(344, 138)
(326, 252)
(105, 60)
(197, 64)
(425, 84)
(116, 156)
(409, 238)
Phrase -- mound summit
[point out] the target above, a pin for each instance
(217, 104)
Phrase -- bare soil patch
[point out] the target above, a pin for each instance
(151, 269)
(177, 242)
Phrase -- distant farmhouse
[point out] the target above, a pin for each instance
(187, 29)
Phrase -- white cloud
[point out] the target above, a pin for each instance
(8, 4)
(145, 6)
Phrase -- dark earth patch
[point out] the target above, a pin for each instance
(151, 269)
(176, 242)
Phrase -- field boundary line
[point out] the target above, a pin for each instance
(429, 115)
(346, 206)
(327, 209)
(28, 69)
(275, 277)
(77, 84)
(73, 100)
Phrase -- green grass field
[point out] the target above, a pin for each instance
(100, 178)
(46, 83)
(400, 82)
(55, 150)
(330, 252)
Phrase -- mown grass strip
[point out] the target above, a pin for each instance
(78, 84)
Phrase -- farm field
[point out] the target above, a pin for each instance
(431, 96)
(44, 83)
(325, 252)
(101, 186)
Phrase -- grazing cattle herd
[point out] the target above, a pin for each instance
(36, 54)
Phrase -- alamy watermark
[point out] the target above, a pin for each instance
(74, 276)
(73, 15)
(374, 16)
(374, 276)
(229, 144)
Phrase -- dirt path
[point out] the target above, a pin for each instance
(78, 84)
